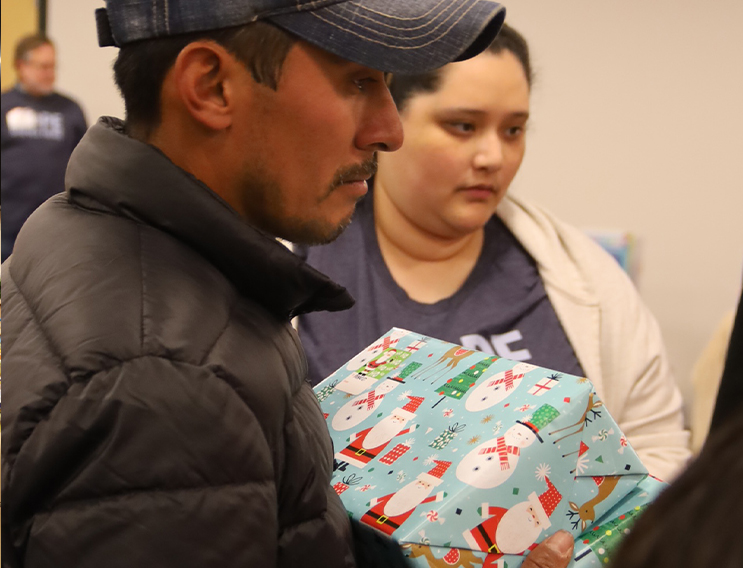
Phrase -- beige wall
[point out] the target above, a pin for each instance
(637, 124)
(84, 70)
(17, 18)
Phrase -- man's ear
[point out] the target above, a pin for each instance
(203, 77)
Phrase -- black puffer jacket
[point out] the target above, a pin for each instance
(156, 412)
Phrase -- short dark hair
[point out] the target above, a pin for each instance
(27, 44)
(403, 87)
(141, 66)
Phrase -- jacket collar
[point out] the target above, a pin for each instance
(113, 173)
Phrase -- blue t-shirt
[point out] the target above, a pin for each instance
(38, 136)
(502, 307)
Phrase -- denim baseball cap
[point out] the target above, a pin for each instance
(398, 36)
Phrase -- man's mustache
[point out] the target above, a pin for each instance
(353, 173)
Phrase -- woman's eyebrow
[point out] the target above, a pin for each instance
(479, 112)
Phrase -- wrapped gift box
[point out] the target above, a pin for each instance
(470, 460)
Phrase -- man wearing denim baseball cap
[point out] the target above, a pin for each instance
(156, 411)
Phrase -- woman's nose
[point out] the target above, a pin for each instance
(489, 152)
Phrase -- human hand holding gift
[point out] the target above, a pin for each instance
(459, 453)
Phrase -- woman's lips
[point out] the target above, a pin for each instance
(481, 191)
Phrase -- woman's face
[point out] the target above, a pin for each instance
(463, 145)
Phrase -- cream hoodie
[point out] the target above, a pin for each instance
(615, 337)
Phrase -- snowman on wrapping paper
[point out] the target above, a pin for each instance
(514, 530)
(389, 512)
(358, 409)
(493, 462)
(369, 443)
(497, 388)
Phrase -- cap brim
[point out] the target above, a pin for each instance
(397, 36)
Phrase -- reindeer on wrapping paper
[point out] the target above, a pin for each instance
(583, 421)
(585, 512)
(455, 558)
(450, 360)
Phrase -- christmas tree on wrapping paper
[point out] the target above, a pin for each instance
(405, 373)
(604, 539)
(458, 386)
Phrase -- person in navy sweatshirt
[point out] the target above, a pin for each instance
(40, 128)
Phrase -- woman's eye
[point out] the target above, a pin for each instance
(515, 131)
(462, 127)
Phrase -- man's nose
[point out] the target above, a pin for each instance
(380, 129)
(488, 152)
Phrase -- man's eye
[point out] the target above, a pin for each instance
(363, 84)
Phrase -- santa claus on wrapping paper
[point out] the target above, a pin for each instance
(368, 444)
(371, 358)
(497, 388)
(514, 530)
(389, 512)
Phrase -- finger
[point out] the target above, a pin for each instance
(554, 552)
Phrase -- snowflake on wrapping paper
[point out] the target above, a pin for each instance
(543, 471)
(582, 381)
(487, 418)
(366, 487)
(582, 464)
(526, 418)
(525, 408)
(497, 427)
(401, 476)
(473, 440)
(448, 412)
(409, 442)
(430, 459)
(404, 395)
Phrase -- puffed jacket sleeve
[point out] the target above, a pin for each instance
(148, 463)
